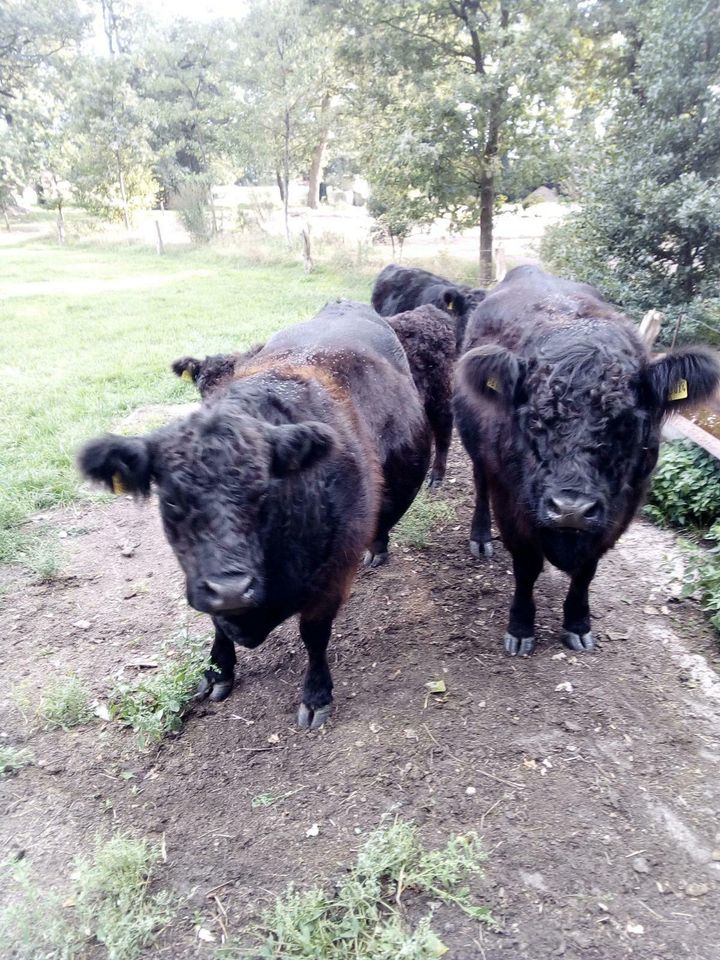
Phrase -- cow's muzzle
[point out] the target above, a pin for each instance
(224, 593)
(571, 511)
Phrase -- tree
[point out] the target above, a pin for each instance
(455, 85)
(648, 233)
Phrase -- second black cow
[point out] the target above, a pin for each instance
(559, 406)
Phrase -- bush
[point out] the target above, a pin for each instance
(685, 490)
(702, 575)
(193, 207)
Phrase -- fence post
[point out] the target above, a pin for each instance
(159, 246)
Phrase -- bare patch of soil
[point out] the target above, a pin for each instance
(598, 801)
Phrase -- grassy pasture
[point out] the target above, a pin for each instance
(88, 333)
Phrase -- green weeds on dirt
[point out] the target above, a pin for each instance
(685, 489)
(362, 917)
(427, 512)
(65, 703)
(107, 902)
(702, 574)
(12, 759)
(154, 704)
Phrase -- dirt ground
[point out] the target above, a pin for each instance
(598, 800)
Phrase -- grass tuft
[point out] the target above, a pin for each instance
(12, 759)
(363, 919)
(108, 903)
(154, 705)
(426, 513)
(65, 703)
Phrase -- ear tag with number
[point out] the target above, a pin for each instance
(117, 484)
(186, 375)
(492, 384)
(679, 391)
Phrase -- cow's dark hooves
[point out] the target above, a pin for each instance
(312, 719)
(481, 551)
(434, 483)
(374, 559)
(580, 642)
(213, 688)
(518, 646)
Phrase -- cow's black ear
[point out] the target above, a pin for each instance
(123, 464)
(187, 368)
(298, 446)
(492, 372)
(684, 378)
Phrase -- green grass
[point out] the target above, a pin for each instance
(12, 759)
(65, 703)
(362, 916)
(154, 704)
(75, 361)
(105, 901)
(428, 512)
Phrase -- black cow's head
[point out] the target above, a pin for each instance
(217, 474)
(586, 414)
(213, 371)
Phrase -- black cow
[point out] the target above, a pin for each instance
(272, 490)
(397, 289)
(428, 338)
(559, 406)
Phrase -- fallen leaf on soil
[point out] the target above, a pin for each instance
(82, 624)
(617, 635)
(410, 734)
(636, 928)
(564, 687)
(313, 831)
(559, 656)
(274, 738)
(101, 710)
(436, 686)
(640, 865)
(651, 611)
(530, 763)
(206, 935)
(697, 889)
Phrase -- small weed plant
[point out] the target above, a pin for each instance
(154, 705)
(65, 703)
(362, 918)
(428, 512)
(12, 760)
(702, 574)
(108, 904)
(685, 490)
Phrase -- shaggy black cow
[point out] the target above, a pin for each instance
(428, 338)
(559, 406)
(272, 490)
(397, 289)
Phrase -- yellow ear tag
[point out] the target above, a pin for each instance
(186, 375)
(492, 384)
(451, 306)
(117, 484)
(679, 391)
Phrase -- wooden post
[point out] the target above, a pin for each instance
(159, 246)
(307, 258)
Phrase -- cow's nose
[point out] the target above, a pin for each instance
(577, 511)
(226, 592)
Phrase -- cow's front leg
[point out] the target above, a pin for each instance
(520, 636)
(576, 610)
(219, 679)
(317, 689)
(480, 539)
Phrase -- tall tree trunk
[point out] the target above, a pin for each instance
(281, 188)
(213, 217)
(61, 223)
(316, 162)
(286, 176)
(487, 205)
(123, 195)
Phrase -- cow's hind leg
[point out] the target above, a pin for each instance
(218, 681)
(403, 479)
(441, 423)
(480, 539)
(576, 610)
(520, 637)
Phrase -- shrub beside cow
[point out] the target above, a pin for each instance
(272, 490)
(559, 406)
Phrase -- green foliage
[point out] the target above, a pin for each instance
(65, 703)
(426, 513)
(685, 489)
(702, 575)
(12, 759)
(107, 903)
(362, 918)
(648, 231)
(193, 205)
(154, 704)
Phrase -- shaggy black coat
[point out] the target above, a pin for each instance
(272, 490)
(559, 406)
(397, 289)
(427, 336)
